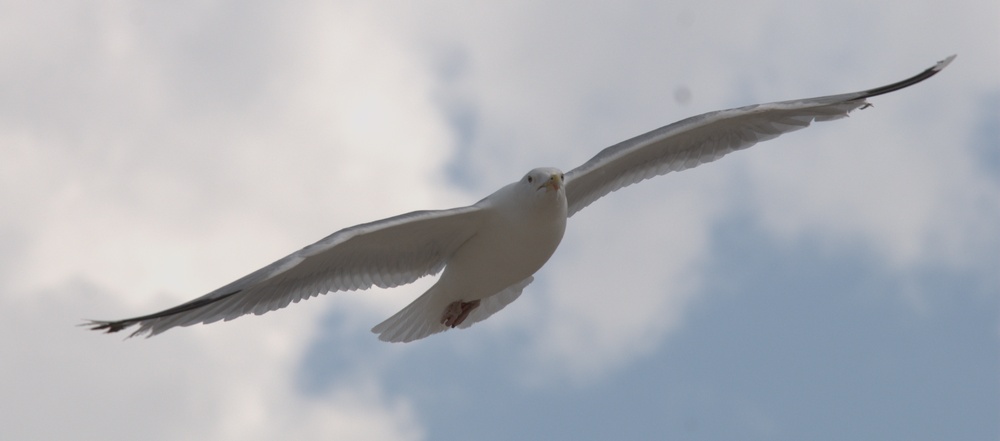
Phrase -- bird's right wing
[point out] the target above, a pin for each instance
(384, 253)
(707, 137)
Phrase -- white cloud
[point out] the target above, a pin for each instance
(624, 276)
(153, 152)
(143, 167)
(554, 83)
(905, 186)
(234, 381)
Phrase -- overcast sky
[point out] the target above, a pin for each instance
(841, 282)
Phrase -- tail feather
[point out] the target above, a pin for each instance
(494, 303)
(422, 317)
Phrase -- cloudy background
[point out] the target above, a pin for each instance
(841, 282)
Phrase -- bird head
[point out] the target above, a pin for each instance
(548, 179)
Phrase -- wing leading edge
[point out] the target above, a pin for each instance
(710, 136)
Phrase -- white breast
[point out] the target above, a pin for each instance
(519, 234)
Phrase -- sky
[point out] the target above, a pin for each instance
(840, 282)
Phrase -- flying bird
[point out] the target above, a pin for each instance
(488, 252)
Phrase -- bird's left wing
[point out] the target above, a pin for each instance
(710, 136)
(384, 253)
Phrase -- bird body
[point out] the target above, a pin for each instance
(500, 255)
(521, 225)
(490, 250)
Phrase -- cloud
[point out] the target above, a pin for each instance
(150, 158)
(233, 384)
(544, 85)
(153, 152)
(553, 84)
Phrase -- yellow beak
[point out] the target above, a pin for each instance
(554, 182)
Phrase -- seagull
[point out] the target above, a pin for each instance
(488, 252)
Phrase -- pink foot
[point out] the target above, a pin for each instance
(456, 312)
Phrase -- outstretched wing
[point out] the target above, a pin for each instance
(710, 136)
(384, 253)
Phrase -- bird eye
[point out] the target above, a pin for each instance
(530, 179)
(562, 177)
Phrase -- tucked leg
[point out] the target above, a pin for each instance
(456, 312)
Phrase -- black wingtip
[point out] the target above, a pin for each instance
(930, 72)
(106, 326)
(944, 63)
(110, 327)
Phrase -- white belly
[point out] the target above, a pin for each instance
(504, 253)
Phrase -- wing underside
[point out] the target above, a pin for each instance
(708, 137)
(385, 253)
